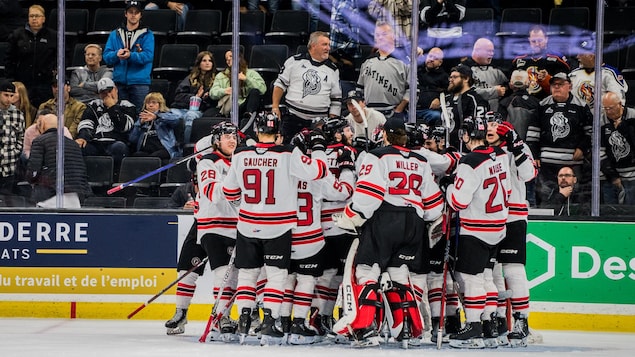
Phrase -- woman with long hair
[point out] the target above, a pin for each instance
(22, 102)
(153, 132)
(252, 86)
(191, 98)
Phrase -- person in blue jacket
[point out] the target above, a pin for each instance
(130, 51)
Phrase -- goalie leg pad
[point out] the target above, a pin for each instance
(403, 306)
(368, 309)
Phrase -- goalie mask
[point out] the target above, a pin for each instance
(266, 123)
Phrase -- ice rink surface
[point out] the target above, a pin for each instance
(120, 338)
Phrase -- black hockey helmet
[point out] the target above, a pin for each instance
(222, 128)
(437, 133)
(474, 127)
(332, 126)
(266, 123)
(494, 117)
(416, 135)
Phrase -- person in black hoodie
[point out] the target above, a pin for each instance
(32, 56)
(432, 81)
(42, 166)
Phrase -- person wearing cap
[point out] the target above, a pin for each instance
(462, 101)
(392, 213)
(559, 134)
(42, 167)
(84, 79)
(130, 51)
(583, 77)
(311, 82)
(541, 62)
(11, 136)
(106, 124)
(32, 56)
(519, 106)
(432, 80)
(73, 108)
(374, 119)
(384, 77)
(489, 81)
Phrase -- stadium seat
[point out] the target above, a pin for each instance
(105, 202)
(568, 21)
(251, 30)
(288, 27)
(100, 172)
(218, 52)
(202, 27)
(106, 20)
(175, 61)
(175, 177)
(152, 202)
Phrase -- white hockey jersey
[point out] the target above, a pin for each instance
(264, 178)
(522, 169)
(441, 164)
(480, 192)
(400, 177)
(346, 180)
(215, 214)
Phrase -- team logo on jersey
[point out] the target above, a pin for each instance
(619, 145)
(312, 83)
(586, 91)
(560, 127)
(533, 87)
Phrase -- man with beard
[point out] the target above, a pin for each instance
(432, 81)
(462, 101)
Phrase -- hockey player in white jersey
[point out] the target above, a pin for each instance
(512, 251)
(480, 192)
(394, 196)
(308, 247)
(263, 181)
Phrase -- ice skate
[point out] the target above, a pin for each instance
(270, 333)
(228, 329)
(176, 325)
(405, 334)
(470, 336)
(435, 332)
(254, 330)
(367, 337)
(300, 333)
(501, 324)
(285, 323)
(490, 333)
(520, 332)
(244, 323)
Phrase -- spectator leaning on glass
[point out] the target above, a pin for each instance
(84, 79)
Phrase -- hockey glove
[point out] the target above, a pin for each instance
(436, 230)
(345, 160)
(514, 142)
(446, 181)
(317, 141)
(348, 220)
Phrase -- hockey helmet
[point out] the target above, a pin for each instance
(222, 128)
(360, 143)
(474, 127)
(493, 117)
(416, 135)
(266, 123)
(437, 133)
(333, 126)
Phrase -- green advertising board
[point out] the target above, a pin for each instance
(581, 262)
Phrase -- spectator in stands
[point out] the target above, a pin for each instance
(559, 134)
(566, 198)
(184, 195)
(10, 18)
(442, 21)
(583, 78)
(106, 124)
(84, 80)
(21, 101)
(385, 76)
(397, 13)
(310, 6)
(374, 119)
(251, 87)
(153, 132)
(73, 109)
(42, 167)
(32, 56)
(618, 139)
(312, 85)
(490, 82)
(346, 19)
(541, 63)
(191, 98)
(130, 51)
(432, 81)
(33, 132)
(273, 5)
(11, 136)
(180, 8)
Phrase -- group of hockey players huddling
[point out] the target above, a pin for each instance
(375, 224)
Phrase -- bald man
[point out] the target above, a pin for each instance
(42, 167)
(618, 139)
(490, 81)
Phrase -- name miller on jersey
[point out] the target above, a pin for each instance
(406, 165)
(260, 161)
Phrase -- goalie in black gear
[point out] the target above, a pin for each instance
(396, 193)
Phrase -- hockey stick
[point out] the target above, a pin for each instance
(215, 315)
(444, 287)
(364, 120)
(201, 263)
(445, 118)
(154, 172)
